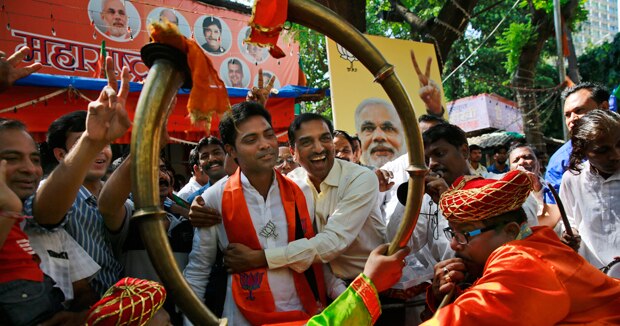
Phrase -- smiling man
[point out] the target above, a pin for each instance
(212, 29)
(342, 198)
(261, 210)
(505, 272)
(380, 131)
(235, 73)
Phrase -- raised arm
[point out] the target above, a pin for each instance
(106, 120)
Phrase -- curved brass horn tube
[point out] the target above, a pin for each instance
(160, 87)
(325, 21)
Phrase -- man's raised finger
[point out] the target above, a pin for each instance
(260, 78)
(109, 71)
(18, 56)
(124, 91)
(415, 63)
(428, 67)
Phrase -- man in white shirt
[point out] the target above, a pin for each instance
(341, 195)
(260, 209)
(198, 178)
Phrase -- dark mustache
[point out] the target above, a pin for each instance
(164, 182)
(265, 153)
(210, 164)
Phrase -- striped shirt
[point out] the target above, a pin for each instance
(84, 223)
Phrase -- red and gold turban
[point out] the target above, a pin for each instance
(475, 198)
(130, 301)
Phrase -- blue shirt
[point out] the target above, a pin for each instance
(558, 163)
(84, 223)
(493, 169)
(198, 192)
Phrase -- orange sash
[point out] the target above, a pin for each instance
(251, 289)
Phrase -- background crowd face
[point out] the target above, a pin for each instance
(101, 163)
(286, 163)
(23, 169)
(525, 158)
(256, 146)
(501, 156)
(314, 148)
(447, 160)
(114, 16)
(343, 149)
(211, 159)
(577, 105)
(604, 152)
(380, 131)
(475, 155)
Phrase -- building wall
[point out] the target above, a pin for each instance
(602, 24)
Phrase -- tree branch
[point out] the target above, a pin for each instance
(416, 23)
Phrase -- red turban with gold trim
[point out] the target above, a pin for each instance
(130, 301)
(475, 198)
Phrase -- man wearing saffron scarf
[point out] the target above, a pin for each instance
(520, 275)
(260, 209)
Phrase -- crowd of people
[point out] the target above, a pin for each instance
(267, 232)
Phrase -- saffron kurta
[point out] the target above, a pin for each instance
(533, 281)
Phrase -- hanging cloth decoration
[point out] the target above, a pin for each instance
(208, 92)
(268, 17)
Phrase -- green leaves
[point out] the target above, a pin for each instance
(512, 41)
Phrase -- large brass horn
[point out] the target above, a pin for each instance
(165, 77)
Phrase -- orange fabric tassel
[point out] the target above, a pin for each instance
(208, 92)
(268, 17)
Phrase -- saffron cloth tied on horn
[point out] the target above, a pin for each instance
(208, 94)
(268, 18)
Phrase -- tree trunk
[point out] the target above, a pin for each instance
(353, 11)
(525, 74)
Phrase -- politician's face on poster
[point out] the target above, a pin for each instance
(162, 14)
(380, 131)
(116, 20)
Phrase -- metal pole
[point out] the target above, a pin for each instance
(557, 19)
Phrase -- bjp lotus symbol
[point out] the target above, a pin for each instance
(344, 54)
(251, 282)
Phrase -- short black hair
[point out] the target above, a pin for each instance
(193, 158)
(598, 93)
(234, 61)
(239, 113)
(474, 147)
(10, 124)
(452, 134)
(344, 134)
(431, 118)
(498, 148)
(59, 129)
(205, 141)
(211, 21)
(356, 143)
(522, 145)
(306, 117)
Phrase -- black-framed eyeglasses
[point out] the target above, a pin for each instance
(463, 238)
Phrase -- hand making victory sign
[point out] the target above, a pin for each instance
(107, 118)
(429, 90)
(260, 94)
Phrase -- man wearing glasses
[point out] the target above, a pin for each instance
(505, 272)
(286, 162)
